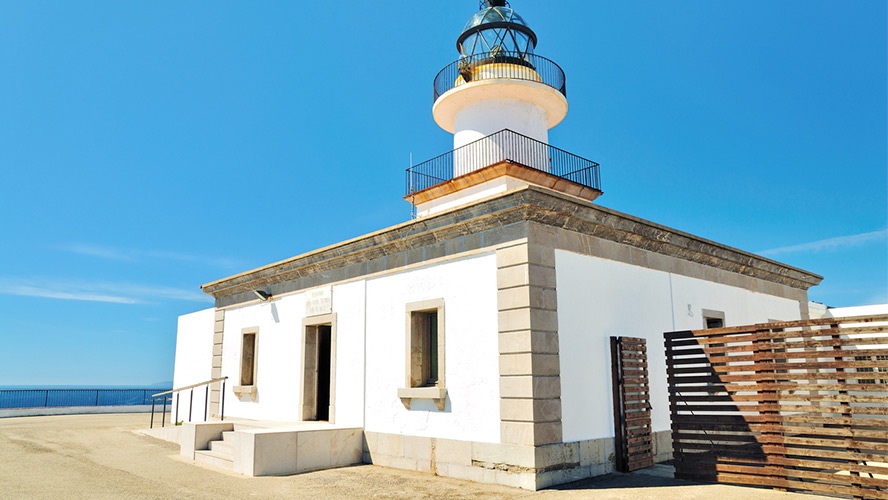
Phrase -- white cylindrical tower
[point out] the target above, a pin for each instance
(499, 84)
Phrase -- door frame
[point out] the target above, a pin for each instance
(309, 376)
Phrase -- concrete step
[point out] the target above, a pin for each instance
(224, 447)
(215, 458)
(228, 436)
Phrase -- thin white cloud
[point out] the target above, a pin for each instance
(132, 254)
(830, 243)
(118, 293)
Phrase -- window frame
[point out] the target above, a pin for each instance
(713, 314)
(417, 384)
(243, 390)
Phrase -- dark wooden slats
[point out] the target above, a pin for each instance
(632, 407)
(800, 405)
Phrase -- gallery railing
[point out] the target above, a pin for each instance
(166, 397)
(59, 398)
(501, 64)
(504, 145)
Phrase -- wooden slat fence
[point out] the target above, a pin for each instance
(799, 405)
(632, 406)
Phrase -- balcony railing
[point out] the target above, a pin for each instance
(504, 145)
(515, 65)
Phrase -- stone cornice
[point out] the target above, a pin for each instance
(522, 205)
(557, 210)
(491, 214)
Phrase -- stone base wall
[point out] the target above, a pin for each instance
(520, 466)
(662, 446)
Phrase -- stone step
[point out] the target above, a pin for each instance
(224, 447)
(227, 436)
(214, 458)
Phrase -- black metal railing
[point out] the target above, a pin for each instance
(166, 397)
(502, 64)
(504, 145)
(60, 398)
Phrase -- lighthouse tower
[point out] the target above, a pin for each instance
(498, 82)
(499, 100)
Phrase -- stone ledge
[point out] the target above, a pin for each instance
(436, 394)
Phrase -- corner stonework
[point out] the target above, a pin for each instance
(530, 384)
(216, 371)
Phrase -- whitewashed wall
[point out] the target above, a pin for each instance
(599, 298)
(373, 309)
(480, 119)
(194, 356)
(279, 356)
(468, 288)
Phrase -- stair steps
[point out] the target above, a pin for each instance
(220, 453)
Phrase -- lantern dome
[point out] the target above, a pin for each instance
(495, 28)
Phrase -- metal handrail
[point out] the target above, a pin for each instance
(500, 64)
(177, 392)
(69, 397)
(159, 394)
(501, 146)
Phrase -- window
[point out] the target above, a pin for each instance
(424, 326)
(247, 375)
(248, 351)
(713, 319)
(425, 353)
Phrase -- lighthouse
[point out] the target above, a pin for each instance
(499, 82)
(499, 99)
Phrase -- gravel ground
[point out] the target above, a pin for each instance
(100, 457)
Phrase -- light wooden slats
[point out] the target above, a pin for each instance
(800, 405)
(632, 408)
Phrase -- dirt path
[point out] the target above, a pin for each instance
(99, 457)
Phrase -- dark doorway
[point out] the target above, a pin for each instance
(323, 394)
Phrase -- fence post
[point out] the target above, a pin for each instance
(46, 399)
(846, 406)
(152, 415)
(768, 398)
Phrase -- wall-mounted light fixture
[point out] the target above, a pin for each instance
(263, 296)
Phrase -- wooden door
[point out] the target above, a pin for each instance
(632, 406)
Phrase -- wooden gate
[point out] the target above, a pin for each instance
(799, 405)
(632, 407)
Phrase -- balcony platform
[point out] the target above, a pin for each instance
(491, 180)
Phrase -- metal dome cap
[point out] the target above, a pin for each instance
(496, 27)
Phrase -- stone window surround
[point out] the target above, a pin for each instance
(307, 323)
(438, 392)
(248, 390)
(713, 314)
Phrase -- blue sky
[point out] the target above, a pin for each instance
(150, 147)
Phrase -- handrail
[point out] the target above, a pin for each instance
(500, 64)
(190, 401)
(505, 145)
(188, 387)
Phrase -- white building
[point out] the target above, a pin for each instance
(472, 341)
